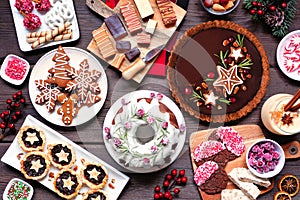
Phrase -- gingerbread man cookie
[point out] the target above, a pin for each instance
(68, 109)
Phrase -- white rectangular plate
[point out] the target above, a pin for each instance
(22, 31)
(11, 158)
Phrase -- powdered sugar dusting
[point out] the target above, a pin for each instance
(207, 149)
(204, 171)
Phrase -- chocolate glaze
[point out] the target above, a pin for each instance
(56, 149)
(95, 195)
(211, 40)
(32, 172)
(60, 183)
(35, 143)
(100, 177)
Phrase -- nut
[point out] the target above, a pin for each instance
(244, 49)
(235, 44)
(199, 103)
(236, 89)
(198, 88)
(204, 85)
(225, 43)
(249, 76)
(244, 88)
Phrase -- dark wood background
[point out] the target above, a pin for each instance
(89, 135)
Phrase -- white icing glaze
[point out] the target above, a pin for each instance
(128, 147)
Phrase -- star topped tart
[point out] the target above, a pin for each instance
(31, 138)
(67, 183)
(95, 194)
(94, 175)
(218, 71)
(35, 165)
(61, 156)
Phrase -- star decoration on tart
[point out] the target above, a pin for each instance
(36, 165)
(68, 183)
(31, 137)
(97, 198)
(62, 156)
(236, 53)
(210, 98)
(228, 78)
(94, 173)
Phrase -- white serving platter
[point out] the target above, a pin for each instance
(21, 31)
(11, 158)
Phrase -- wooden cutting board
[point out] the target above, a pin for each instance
(161, 35)
(250, 134)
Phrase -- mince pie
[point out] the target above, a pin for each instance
(31, 138)
(95, 194)
(67, 183)
(94, 175)
(35, 165)
(61, 156)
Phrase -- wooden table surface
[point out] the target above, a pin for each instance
(89, 135)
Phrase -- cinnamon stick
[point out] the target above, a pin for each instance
(288, 106)
(295, 107)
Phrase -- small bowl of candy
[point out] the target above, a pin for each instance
(219, 7)
(265, 158)
(14, 69)
(18, 189)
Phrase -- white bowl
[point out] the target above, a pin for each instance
(211, 11)
(9, 79)
(14, 180)
(293, 74)
(278, 167)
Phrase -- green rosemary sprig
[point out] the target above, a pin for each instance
(245, 63)
(197, 96)
(240, 40)
(209, 80)
(225, 101)
(222, 56)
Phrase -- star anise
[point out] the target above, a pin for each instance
(287, 119)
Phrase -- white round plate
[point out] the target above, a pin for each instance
(292, 69)
(40, 71)
(134, 96)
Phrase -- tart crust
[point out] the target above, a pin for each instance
(218, 118)
(33, 139)
(62, 164)
(33, 156)
(89, 181)
(66, 181)
(94, 192)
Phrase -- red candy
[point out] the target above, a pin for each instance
(16, 69)
(24, 6)
(32, 21)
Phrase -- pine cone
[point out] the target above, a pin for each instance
(275, 18)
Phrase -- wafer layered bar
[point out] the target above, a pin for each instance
(131, 18)
(167, 12)
(143, 39)
(104, 43)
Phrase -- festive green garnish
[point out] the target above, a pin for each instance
(225, 101)
(240, 40)
(245, 63)
(222, 56)
(197, 96)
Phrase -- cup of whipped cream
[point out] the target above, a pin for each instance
(277, 120)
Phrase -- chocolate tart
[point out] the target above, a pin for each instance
(94, 175)
(61, 156)
(95, 194)
(31, 138)
(35, 165)
(67, 183)
(218, 71)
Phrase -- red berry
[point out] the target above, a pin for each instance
(8, 101)
(231, 39)
(161, 195)
(174, 172)
(18, 112)
(14, 118)
(283, 5)
(168, 177)
(14, 96)
(6, 112)
(181, 172)
(178, 181)
(184, 180)
(22, 100)
(11, 126)
(259, 4)
(209, 106)
(2, 115)
(188, 90)
(252, 11)
(166, 184)
(254, 3)
(19, 93)
(272, 8)
(157, 189)
(156, 196)
(167, 195)
(210, 75)
(2, 126)
(208, 3)
(232, 99)
(176, 191)
(16, 105)
(260, 12)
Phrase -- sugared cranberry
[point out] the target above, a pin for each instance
(210, 75)
(157, 189)
(8, 101)
(232, 99)
(166, 183)
(156, 196)
(183, 180)
(188, 90)
(174, 172)
(181, 172)
(176, 190)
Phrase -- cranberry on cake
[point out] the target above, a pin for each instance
(218, 71)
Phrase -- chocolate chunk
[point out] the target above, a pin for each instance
(123, 46)
(132, 54)
(115, 27)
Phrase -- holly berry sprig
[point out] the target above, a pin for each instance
(170, 183)
(13, 113)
